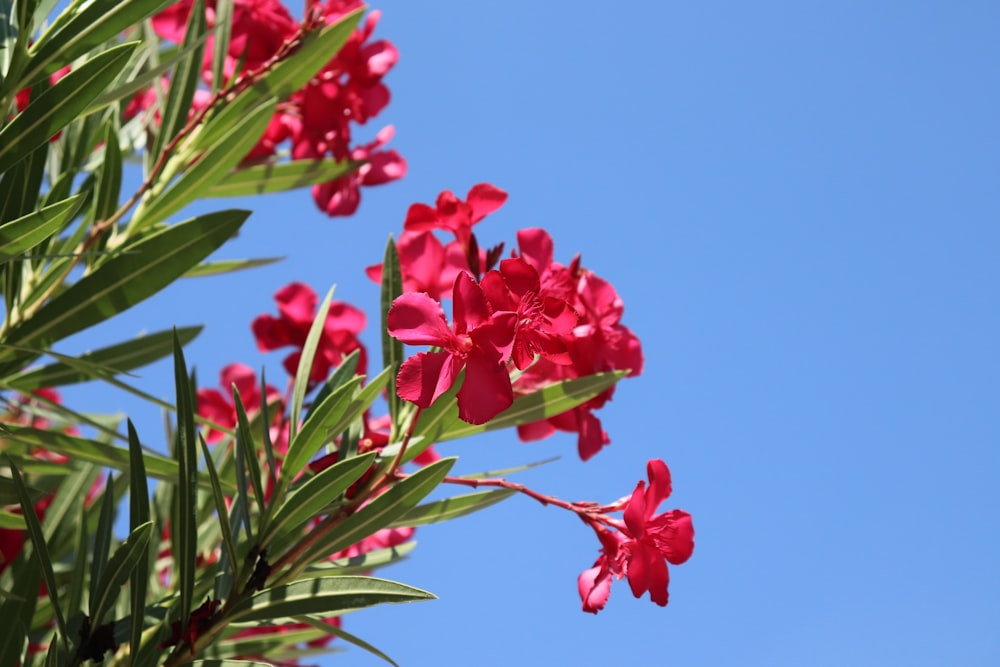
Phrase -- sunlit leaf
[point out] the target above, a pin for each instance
(311, 499)
(26, 232)
(118, 570)
(326, 596)
(115, 358)
(56, 107)
(542, 404)
(149, 265)
(451, 508)
(279, 177)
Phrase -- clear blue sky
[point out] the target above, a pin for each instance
(799, 204)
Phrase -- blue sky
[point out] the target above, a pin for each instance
(799, 204)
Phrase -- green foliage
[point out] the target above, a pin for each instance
(223, 535)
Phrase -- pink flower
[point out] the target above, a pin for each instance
(425, 264)
(341, 196)
(480, 344)
(645, 543)
(544, 322)
(296, 309)
(451, 214)
(220, 408)
(597, 343)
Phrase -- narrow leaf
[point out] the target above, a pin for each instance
(346, 636)
(26, 232)
(451, 508)
(313, 497)
(304, 370)
(102, 540)
(210, 166)
(382, 510)
(392, 349)
(220, 505)
(184, 524)
(317, 430)
(138, 516)
(228, 266)
(327, 596)
(281, 176)
(149, 265)
(118, 570)
(40, 550)
(245, 444)
(84, 25)
(118, 358)
(542, 404)
(18, 608)
(63, 102)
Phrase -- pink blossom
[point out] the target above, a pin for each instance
(426, 264)
(480, 344)
(297, 304)
(645, 543)
(220, 408)
(341, 196)
(454, 215)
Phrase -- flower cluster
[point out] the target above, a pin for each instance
(641, 545)
(549, 321)
(315, 121)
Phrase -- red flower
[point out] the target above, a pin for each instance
(297, 308)
(219, 406)
(480, 343)
(425, 264)
(451, 214)
(597, 343)
(341, 196)
(544, 322)
(646, 542)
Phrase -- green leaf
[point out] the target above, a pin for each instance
(184, 523)
(329, 596)
(382, 510)
(228, 266)
(312, 498)
(317, 429)
(83, 26)
(304, 370)
(109, 183)
(63, 102)
(108, 360)
(102, 540)
(392, 349)
(123, 281)
(546, 402)
(149, 77)
(40, 550)
(344, 372)
(11, 520)
(118, 570)
(451, 508)
(23, 234)
(247, 452)
(223, 31)
(138, 516)
(101, 453)
(346, 636)
(9, 496)
(217, 160)
(18, 609)
(183, 82)
(220, 505)
(279, 177)
(362, 563)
